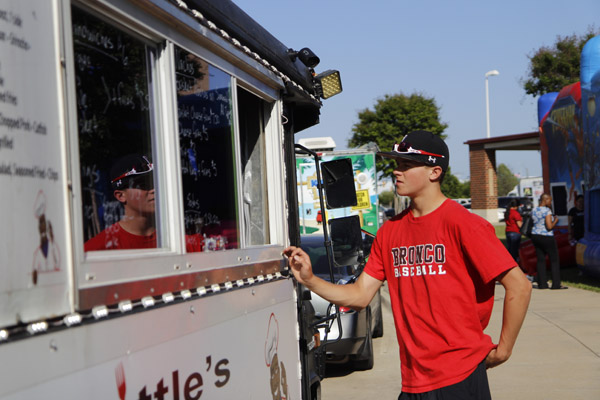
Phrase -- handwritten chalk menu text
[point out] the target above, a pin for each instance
(206, 144)
(113, 111)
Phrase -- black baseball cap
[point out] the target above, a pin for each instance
(423, 147)
(132, 170)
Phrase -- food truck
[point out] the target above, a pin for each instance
(148, 173)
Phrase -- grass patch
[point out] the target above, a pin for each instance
(573, 277)
(500, 231)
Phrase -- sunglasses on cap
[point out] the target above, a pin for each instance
(405, 147)
(137, 177)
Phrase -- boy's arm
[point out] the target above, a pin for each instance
(357, 295)
(516, 301)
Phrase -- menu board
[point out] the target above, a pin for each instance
(34, 199)
(113, 111)
(206, 148)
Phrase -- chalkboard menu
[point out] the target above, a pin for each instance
(207, 153)
(113, 110)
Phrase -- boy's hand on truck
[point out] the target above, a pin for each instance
(299, 263)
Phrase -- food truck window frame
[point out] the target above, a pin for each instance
(109, 277)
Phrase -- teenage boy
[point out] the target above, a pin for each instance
(132, 180)
(441, 263)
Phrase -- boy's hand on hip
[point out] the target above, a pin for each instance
(495, 358)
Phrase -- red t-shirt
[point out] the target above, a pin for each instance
(511, 222)
(440, 270)
(116, 238)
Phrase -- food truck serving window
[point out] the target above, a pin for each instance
(113, 82)
(206, 146)
(173, 178)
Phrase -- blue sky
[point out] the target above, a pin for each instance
(440, 49)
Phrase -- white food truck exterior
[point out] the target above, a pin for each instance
(203, 306)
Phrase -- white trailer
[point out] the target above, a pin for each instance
(204, 307)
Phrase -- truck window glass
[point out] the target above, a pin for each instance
(252, 140)
(115, 137)
(206, 145)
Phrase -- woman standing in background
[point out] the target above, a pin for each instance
(545, 244)
(513, 221)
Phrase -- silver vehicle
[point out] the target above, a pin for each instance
(358, 328)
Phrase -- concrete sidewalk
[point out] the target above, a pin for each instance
(557, 354)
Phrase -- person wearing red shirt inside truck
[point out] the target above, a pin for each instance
(441, 263)
(132, 180)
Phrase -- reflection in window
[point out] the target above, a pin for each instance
(115, 139)
(252, 140)
(207, 154)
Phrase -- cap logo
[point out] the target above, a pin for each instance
(432, 159)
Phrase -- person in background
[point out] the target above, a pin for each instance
(576, 220)
(513, 221)
(544, 242)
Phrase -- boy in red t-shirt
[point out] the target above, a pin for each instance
(132, 180)
(441, 263)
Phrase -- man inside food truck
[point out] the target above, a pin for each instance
(132, 181)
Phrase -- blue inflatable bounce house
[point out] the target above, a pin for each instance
(570, 138)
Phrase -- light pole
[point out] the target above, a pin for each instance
(487, 98)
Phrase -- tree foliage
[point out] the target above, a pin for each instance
(392, 118)
(506, 180)
(455, 189)
(386, 198)
(552, 68)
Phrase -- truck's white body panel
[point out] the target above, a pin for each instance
(226, 325)
(229, 340)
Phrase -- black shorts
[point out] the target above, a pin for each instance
(473, 387)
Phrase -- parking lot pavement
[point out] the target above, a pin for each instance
(557, 354)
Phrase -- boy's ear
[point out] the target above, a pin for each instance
(435, 173)
(120, 196)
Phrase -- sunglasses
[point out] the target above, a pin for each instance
(136, 178)
(405, 147)
(142, 169)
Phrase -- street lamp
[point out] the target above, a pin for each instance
(487, 98)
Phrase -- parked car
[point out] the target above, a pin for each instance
(503, 201)
(382, 215)
(390, 213)
(355, 344)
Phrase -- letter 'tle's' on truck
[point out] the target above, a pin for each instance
(148, 189)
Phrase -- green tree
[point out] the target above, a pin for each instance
(391, 119)
(386, 198)
(506, 180)
(453, 188)
(466, 189)
(552, 68)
